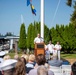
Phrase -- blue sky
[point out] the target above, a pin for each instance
(11, 10)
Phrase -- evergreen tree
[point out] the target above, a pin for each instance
(9, 34)
(47, 36)
(53, 33)
(69, 2)
(66, 35)
(22, 40)
(73, 16)
(1, 34)
(36, 28)
(30, 36)
(72, 36)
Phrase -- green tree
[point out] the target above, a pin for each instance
(1, 34)
(58, 38)
(30, 36)
(32, 32)
(36, 28)
(22, 40)
(72, 36)
(9, 34)
(46, 31)
(69, 2)
(69, 36)
(66, 35)
(53, 34)
(73, 16)
(47, 36)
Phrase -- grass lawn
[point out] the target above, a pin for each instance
(12, 54)
(64, 56)
(69, 56)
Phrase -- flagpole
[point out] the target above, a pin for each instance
(42, 18)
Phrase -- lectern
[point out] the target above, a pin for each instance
(39, 48)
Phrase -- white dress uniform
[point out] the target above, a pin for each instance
(50, 48)
(58, 48)
(38, 40)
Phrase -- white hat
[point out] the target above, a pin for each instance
(2, 53)
(1, 60)
(8, 64)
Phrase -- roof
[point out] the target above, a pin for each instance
(9, 37)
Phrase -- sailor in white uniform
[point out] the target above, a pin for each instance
(38, 39)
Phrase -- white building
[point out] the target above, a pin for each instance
(11, 41)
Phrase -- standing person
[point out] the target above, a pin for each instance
(38, 39)
(47, 53)
(50, 48)
(58, 48)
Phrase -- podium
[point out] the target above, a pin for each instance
(39, 49)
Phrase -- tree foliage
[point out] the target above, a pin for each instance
(9, 34)
(1, 34)
(30, 36)
(32, 32)
(69, 2)
(47, 35)
(73, 16)
(22, 40)
(66, 35)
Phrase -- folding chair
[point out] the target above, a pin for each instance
(66, 69)
(56, 70)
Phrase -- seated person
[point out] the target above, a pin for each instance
(54, 61)
(20, 68)
(73, 69)
(65, 62)
(31, 63)
(42, 70)
(7, 67)
(40, 60)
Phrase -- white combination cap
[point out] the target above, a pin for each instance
(8, 64)
(2, 53)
